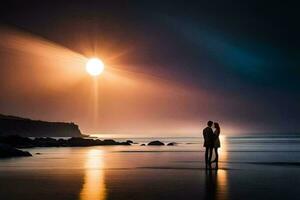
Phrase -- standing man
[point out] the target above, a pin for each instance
(208, 136)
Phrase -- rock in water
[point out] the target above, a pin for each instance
(171, 144)
(156, 143)
(7, 151)
(23, 142)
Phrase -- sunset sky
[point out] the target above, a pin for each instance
(170, 65)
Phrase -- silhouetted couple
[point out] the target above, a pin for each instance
(211, 143)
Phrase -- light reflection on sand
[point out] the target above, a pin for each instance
(222, 178)
(94, 187)
(222, 185)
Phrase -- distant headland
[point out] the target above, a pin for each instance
(12, 125)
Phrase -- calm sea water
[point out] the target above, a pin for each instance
(265, 167)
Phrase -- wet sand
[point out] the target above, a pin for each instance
(246, 171)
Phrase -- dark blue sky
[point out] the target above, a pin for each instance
(244, 51)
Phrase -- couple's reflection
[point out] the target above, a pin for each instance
(94, 183)
(216, 181)
(216, 185)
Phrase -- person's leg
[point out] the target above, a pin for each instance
(206, 157)
(217, 157)
(210, 156)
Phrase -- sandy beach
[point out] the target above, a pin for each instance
(249, 168)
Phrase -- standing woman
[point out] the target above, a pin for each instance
(217, 142)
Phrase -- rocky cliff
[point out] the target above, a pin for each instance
(11, 125)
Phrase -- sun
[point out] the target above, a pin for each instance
(94, 66)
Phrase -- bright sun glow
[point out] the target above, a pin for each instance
(94, 66)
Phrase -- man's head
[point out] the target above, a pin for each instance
(209, 123)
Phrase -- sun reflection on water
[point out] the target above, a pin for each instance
(94, 183)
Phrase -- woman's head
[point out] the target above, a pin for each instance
(216, 125)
